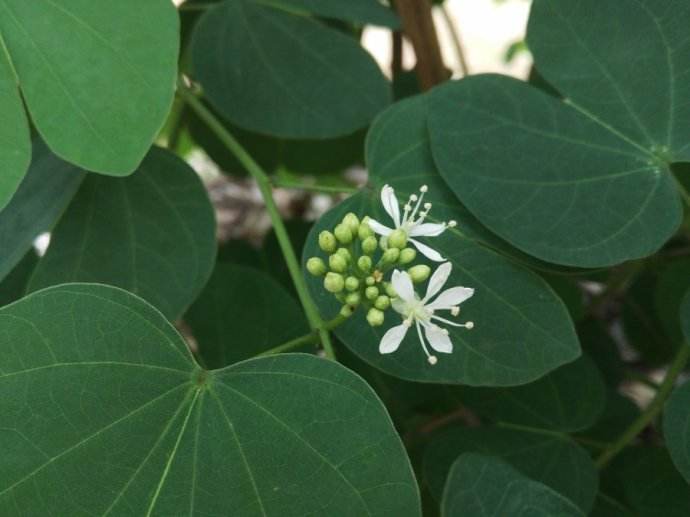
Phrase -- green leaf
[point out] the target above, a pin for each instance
(152, 233)
(98, 98)
(685, 317)
(15, 148)
(584, 180)
(240, 313)
(104, 411)
(670, 289)
(568, 399)
(677, 429)
(13, 285)
(482, 486)
(535, 335)
(362, 11)
(618, 415)
(553, 460)
(290, 75)
(42, 197)
(650, 484)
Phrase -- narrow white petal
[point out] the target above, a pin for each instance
(427, 230)
(450, 298)
(390, 204)
(438, 279)
(378, 227)
(402, 283)
(399, 306)
(391, 340)
(438, 339)
(428, 252)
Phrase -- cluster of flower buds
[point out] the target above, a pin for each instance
(357, 264)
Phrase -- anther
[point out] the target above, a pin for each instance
(423, 188)
(432, 360)
(455, 310)
(469, 325)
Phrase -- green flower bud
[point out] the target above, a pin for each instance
(346, 311)
(397, 239)
(351, 283)
(375, 317)
(337, 263)
(353, 299)
(343, 234)
(364, 229)
(383, 243)
(364, 263)
(334, 283)
(370, 280)
(352, 222)
(369, 245)
(390, 256)
(382, 302)
(327, 242)
(407, 255)
(371, 292)
(419, 273)
(389, 290)
(343, 252)
(316, 266)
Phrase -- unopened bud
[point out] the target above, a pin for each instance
(343, 252)
(370, 280)
(327, 241)
(390, 256)
(346, 311)
(382, 302)
(390, 291)
(364, 229)
(369, 245)
(383, 243)
(333, 282)
(407, 255)
(337, 263)
(343, 234)
(364, 263)
(375, 317)
(351, 283)
(353, 299)
(419, 273)
(316, 266)
(397, 239)
(371, 292)
(352, 222)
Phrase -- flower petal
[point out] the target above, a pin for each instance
(438, 339)
(428, 252)
(390, 204)
(378, 227)
(402, 283)
(391, 340)
(450, 298)
(438, 279)
(399, 306)
(427, 230)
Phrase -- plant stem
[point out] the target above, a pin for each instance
(652, 410)
(455, 37)
(264, 185)
(325, 189)
(312, 337)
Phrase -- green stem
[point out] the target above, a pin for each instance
(325, 189)
(652, 410)
(312, 337)
(264, 185)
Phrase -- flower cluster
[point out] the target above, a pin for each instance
(358, 263)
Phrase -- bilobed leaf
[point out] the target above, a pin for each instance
(241, 313)
(43, 195)
(535, 334)
(105, 412)
(100, 96)
(362, 11)
(584, 180)
(273, 72)
(482, 486)
(569, 399)
(152, 233)
(555, 461)
(15, 148)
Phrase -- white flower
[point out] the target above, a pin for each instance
(412, 225)
(421, 312)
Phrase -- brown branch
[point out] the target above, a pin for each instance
(419, 28)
